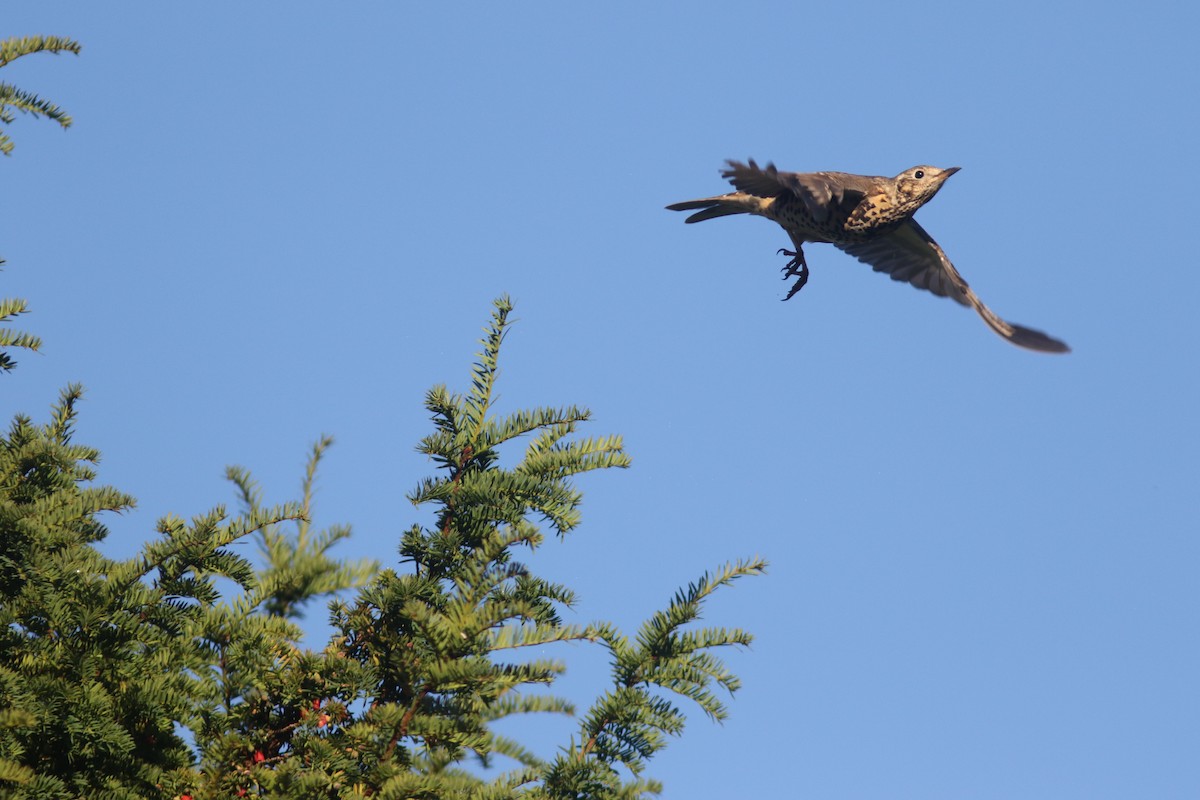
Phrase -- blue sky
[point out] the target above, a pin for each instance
(272, 221)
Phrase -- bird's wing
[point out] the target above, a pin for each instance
(910, 254)
(820, 192)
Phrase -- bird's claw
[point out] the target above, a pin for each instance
(799, 284)
(790, 270)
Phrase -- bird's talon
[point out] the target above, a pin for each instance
(799, 284)
(790, 269)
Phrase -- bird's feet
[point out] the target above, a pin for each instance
(790, 268)
(790, 271)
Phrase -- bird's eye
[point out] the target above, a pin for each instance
(919, 174)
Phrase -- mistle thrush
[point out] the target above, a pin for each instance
(869, 217)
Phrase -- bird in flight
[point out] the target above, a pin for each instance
(867, 216)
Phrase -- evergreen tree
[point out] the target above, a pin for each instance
(403, 698)
(109, 663)
(137, 678)
(103, 660)
(98, 657)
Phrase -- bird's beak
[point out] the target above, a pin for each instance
(948, 171)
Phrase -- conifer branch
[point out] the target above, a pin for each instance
(17, 46)
(12, 97)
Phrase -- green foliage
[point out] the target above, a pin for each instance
(298, 568)
(138, 678)
(436, 644)
(10, 338)
(15, 99)
(12, 98)
(97, 656)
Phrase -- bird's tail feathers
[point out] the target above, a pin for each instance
(719, 206)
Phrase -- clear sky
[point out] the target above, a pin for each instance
(272, 221)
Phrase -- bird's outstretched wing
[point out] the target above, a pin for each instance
(821, 192)
(910, 254)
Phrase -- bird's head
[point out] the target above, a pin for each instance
(915, 187)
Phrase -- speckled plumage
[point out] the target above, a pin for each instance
(869, 217)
